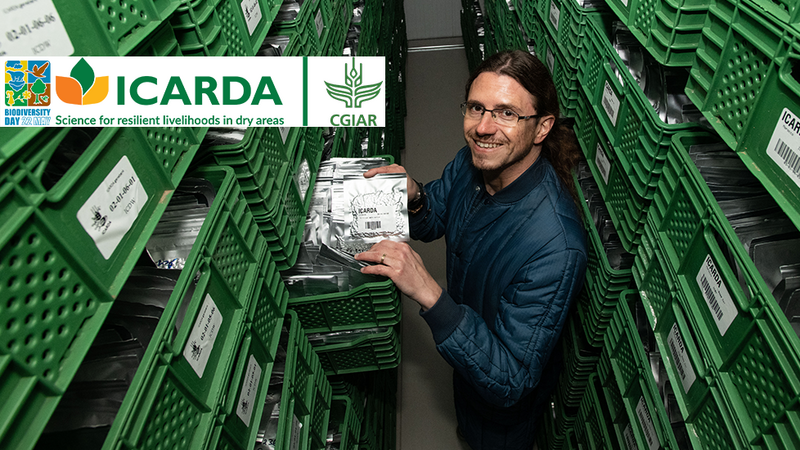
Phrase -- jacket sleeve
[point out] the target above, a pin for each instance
(430, 223)
(506, 364)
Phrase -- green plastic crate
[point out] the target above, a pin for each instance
(739, 47)
(371, 305)
(365, 353)
(638, 135)
(204, 26)
(342, 14)
(670, 29)
(306, 396)
(632, 373)
(162, 42)
(506, 25)
(566, 22)
(111, 28)
(51, 263)
(592, 426)
(577, 366)
(346, 421)
(740, 332)
(626, 206)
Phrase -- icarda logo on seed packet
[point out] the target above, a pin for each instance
(81, 87)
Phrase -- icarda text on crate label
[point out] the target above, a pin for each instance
(247, 398)
(252, 14)
(32, 27)
(603, 165)
(113, 207)
(201, 340)
(646, 421)
(610, 103)
(716, 294)
(555, 15)
(681, 358)
(630, 441)
(784, 146)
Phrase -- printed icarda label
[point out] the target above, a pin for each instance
(784, 146)
(113, 207)
(716, 294)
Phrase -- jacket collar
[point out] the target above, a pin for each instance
(520, 187)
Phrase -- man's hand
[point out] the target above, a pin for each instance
(403, 265)
(413, 189)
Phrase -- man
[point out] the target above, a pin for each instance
(516, 251)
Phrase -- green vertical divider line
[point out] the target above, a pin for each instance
(305, 91)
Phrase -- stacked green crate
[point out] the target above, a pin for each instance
(473, 39)
(742, 82)
(507, 32)
(60, 271)
(111, 28)
(185, 372)
(740, 344)
(670, 29)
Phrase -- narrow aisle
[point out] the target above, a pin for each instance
(436, 73)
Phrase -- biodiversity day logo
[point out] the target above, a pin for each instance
(212, 91)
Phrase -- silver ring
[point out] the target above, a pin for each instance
(383, 256)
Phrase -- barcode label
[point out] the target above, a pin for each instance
(784, 146)
(630, 441)
(551, 61)
(555, 15)
(603, 165)
(610, 103)
(646, 421)
(252, 14)
(681, 358)
(372, 225)
(716, 294)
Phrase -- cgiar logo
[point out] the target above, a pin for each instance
(353, 93)
(82, 87)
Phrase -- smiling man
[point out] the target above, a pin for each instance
(516, 251)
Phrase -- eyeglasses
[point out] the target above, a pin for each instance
(505, 117)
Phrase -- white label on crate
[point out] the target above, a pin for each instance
(646, 421)
(681, 358)
(630, 441)
(319, 23)
(602, 162)
(625, 2)
(303, 178)
(284, 131)
(555, 14)
(717, 297)
(610, 103)
(204, 334)
(33, 28)
(294, 439)
(784, 147)
(113, 207)
(551, 61)
(252, 14)
(250, 384)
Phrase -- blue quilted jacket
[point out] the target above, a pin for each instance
(515, 260)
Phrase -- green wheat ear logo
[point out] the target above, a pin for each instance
(354, 93)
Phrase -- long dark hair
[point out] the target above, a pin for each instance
(560, 147)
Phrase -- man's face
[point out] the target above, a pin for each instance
(496, 147)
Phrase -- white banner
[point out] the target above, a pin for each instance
(195, 92)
